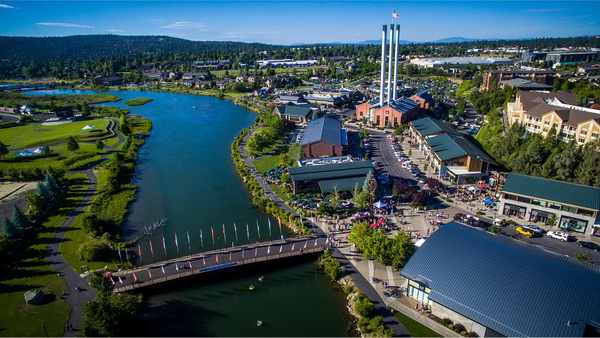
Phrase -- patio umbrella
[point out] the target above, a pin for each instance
(379, 204)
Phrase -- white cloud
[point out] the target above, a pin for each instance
(185, 25)
(60, 24)
(114, 30)
(5, 6)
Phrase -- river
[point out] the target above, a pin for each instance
(185, 174)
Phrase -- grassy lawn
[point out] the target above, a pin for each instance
(115, 208)
(59, 153)
(34, 134)
(415, 328)
(30, 271)
(266, 163)
(277, 189)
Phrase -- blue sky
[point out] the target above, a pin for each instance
(289, 22)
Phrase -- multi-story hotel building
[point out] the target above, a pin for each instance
(538, 112)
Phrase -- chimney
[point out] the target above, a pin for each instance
(390, 59)
(397, 37)
(383, 40)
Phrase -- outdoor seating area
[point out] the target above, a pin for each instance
(273, 176)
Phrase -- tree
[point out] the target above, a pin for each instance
(108, 316)
(101, 284)
(3, 149)
(72, 144)
(99, 145)
(11, 230)
(583, 257)
(52, 185)
(19, 219)
(334, 198)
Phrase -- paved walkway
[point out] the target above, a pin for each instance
(356, 275)
(76, 300)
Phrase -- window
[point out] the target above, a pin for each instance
(585, 212)
(555, 125)
(546, 123)
(553, 205)
(583, 132)
(510, 197)
(581, 140)
(540, 203)
(569, 209)
(524, 199)
(594, 135)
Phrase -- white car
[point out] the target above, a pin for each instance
(563, 236)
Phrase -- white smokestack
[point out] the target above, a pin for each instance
(389, 84)
(383, 38)
(396, 36)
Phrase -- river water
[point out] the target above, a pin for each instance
(185, 174)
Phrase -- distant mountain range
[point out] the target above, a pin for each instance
(405, 42)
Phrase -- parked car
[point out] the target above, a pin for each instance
(563, 236)
(524, 232)
(589, 245)
(534, 229)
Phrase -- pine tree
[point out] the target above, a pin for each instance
(44, 192)
(11, 230)
(3, 149)
(19, 219)
(72, 144)
(52, 185)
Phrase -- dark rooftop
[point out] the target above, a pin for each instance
(512, 287)
(324, 129)
(553, 190)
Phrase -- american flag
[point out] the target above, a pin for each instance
(395, 15)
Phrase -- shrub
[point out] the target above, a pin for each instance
(94, 250)
(347, 289)
(446, 321)
(458, 327)
(363, 306)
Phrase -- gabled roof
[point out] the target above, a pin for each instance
(324, 129)
(553, 190)
(331, 171)
(291, 109)
(428, 126)
(449, 146)
(526, 84)
(514, 288)
(532, 99)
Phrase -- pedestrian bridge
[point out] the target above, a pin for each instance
(164, 271)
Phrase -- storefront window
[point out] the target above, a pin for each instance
(419, 293)
(585, 212)
(569, 209)
(553, 206)
(573, 224)
(510, 197)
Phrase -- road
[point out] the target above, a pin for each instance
(384, 155)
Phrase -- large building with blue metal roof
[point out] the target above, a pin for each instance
(324, 137)
(497, 286)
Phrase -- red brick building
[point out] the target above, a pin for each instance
(324, 137)
(392, 115)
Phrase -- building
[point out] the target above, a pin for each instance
(589, 68)
(535, 199)
(297, 113)
(500, 287)
(450, 154)
(324, 137)
(329, 177)
(391, 114)
(540, 76)
(523, 84)
(530, 56)
(539, 112)
(112, 80)
(459, 61)
(424, 99)
(284, 63)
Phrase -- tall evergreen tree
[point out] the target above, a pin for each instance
(72, 144)
(52, 185)
(19, 219)
(3, 149)
(11, 230)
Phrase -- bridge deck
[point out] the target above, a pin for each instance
(176, 268)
